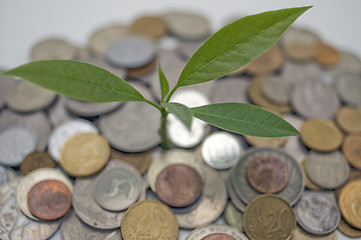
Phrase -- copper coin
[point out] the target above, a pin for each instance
(36, 160)
(267, 174)
(140, 161)
(354, 175)
(218, 236)
(151, 26)
(270, 61)
(351, 147)
(179, 185)
(49, 199)
(326, 55)
(143, 70)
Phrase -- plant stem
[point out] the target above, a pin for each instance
(162, 131)
(153, 104)
(171, 93)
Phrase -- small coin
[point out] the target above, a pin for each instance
(15, 144)
(351, 147)
(349, 119)
(270, 61)
(269, 214)
(36, 160)
(276, 89)
(216, 231)
(267, 174)
(89, 109)
(300, 234)
(230, 89)
(266, 141)
(66, 130)
(348, 87)
(118, 188)
(317, 213)
(3, 175)
(84, 154)
(149, 218)
(349, 202)
(348, 230)
(49, 199)
(233, 216)
(179, 185)
(308, 183)
(53, 49)
(140, 161)
(151, 26)
(321, 135)
(326, 55)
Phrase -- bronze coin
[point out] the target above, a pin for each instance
(267, 174)
(179, 185)
(140, 161)
(49, 199)
(354, 175)
(326, 55)
(351, 147)
(218, 236)
(140, 71)
(36, 160)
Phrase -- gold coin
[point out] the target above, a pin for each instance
(321, 135)
(349, 119)
(300, 234)
(151, 26)
(326, 55)
(350, 203)
(140, 161)
(84, 154)
(256, 96)
(308, 183)
(266, 141)
(351, 148)
(267, 215)
(149, 219)
(270, 61)
(348, 230)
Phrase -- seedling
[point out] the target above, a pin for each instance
(230, 48)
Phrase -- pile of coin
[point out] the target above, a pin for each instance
(77, 170)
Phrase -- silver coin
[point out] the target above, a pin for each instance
(66, 130)
(212, 204)
(12, 174)
(299, 73)
(130, 52)
(187, 48)
(6, 83)
(14, 224)
(27, 97)
(15, 144)
(89, 109)
(291, 193)
(168, 43)
(86, 207)
(202, 232)
(58, 112)
(3, 175)
(73, 228)
(56, 235)
(314, 99)
(348, 62)
(53, 49)
(221, 150)
(327, 170)
(230, 89)
(317, 213)
(276, 89)
(233, 216)
(37, 122)
(118, 188)
(234, 198)
(182, 137)
(348, 87)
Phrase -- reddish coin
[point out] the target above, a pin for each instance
(267, 174)
(49, 199)
(218, 236)
(179, 185)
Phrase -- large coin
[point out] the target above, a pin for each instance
(299, 73)
(269, 215)
(216, 231)
(348, 87)
(300, 234)
(230, 89)
(276, 89)
(241, 206)
(151, 26)
(53, 48)
(89, 109)
(149, 218)
(140, 161)
(349, 202)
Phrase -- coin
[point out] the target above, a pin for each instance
(57, 112)
(351, 147)
(233, 216)
(118, 188)
(84, 154)
(233, 196)
(348, 87)
(53, 48)
(266, 141)
(269, 215)
(182, 137)
(187, 48)
(317, 213)
(300, 234)
(151, 26)
(349, 119)
(230, 89)
(178, 185)
(326, 55)
(216, 231)
(299, 73)
(36, 160)
(267, 174)
(140, 71)
(268, 62)
(15, 144)
(354, 175)
(308, 183)
(66, 130)
(149, 218)
(276, 89)
(3, 175)
(6, 83)
(49, 199)
(348, 62)
(349, 202)
(89, 109)
(212, 204)
(348, 230)
(140, 161)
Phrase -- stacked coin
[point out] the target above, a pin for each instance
(126, 187)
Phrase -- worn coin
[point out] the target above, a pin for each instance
(84, 154)
(233, 196)
(269, 215)
(326, 55)
(36, 160)
(246, 193)
(317, 213)
(33, 178)
(151, 26)
(15, 143)
(349, 202)
(118, 188)
(348, 87)
(216, 231)
(66, 130)
(89, 109)
(53, 49)
(140, 161)
(272, 60)
(49, 199)
(230, 89)
(300, 234)
(149, 218)
(266, 141)
(349, 119)
(351, 147)
(321, 135)
(267, 174)
(276, 89)
(233, 216)
(3, 175)
(348, 230)
(308, 183)
(212, 204)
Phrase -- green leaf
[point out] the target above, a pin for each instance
(237, 44)
(244, 119)
(182, 112)
(164, 86)
(77, 80)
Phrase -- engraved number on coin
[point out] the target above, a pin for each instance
(275, 221)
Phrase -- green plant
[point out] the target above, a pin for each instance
(230, 48)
